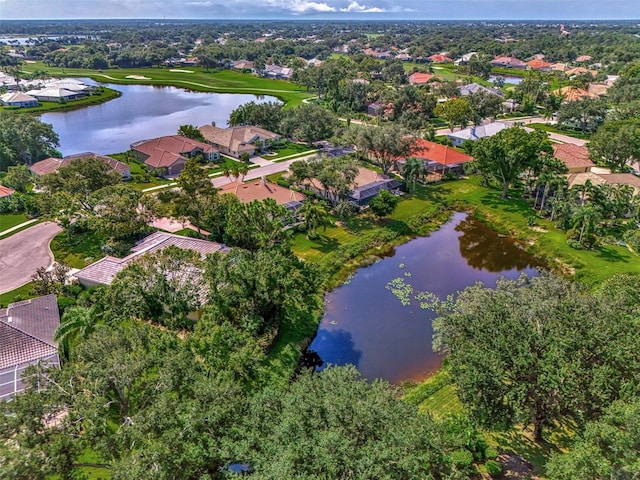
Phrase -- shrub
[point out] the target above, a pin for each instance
(531, 220)
(493, 468)
(632, 237)
(490, 453)
(384, 203)
(462, 459)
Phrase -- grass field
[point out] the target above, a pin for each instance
(21, 293)
(83, 248)
(550, 128)
(224, 81)
(9, 220)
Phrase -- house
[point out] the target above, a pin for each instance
(439, 58)
(27, 330)
(418, 78)
(476, 132)
(56, 94)
(6, 192)
(605, 179)
(236, 140)
(243, 65)
(471, 88)
(368, 183)
(405, 57)
(508, 62)
(438, 159)
(540, 65)
(105, 270)
(571, 94)
(374, 109)
(510, 106)
(575, 157)
(51, 165)
(599, 89)
(278, 72)
(171, 152)
(560, 67)
(583, 58)
(18, 99)
(464, 59)
(579, 71)
(261, 190)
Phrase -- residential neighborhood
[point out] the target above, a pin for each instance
(310, 240)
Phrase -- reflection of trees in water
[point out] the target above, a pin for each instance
(483, 249)
(336, 347)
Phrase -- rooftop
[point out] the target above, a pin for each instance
(573, 156)
(261, 190)
(165, 151)
(51, 164)
(480, 131)
(27, 329)
(436, 152)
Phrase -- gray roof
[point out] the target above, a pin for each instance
(27, 329)
(105, 270)
(371, 189)
(472, 88)
(481, 131)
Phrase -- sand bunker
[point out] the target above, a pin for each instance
(181, 71)
(138, 77)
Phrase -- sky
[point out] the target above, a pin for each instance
(325, 9)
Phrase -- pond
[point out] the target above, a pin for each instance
(509, 79)
(366, 325)
(142, 112)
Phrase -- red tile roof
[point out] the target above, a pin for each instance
(538, 64)
(165, 151)
(6, 191)
(438, 58)
(436, 152)
(420, 78)
(573, 156)
(259, 190)
(51, 165)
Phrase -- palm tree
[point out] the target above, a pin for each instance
(413, 171)
(586, 218)
(314, 215)
(77, 324)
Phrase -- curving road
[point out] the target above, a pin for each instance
(23, 253)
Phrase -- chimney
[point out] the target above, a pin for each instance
(213, 124)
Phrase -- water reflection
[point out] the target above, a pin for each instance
(484, 249)
(367, 325)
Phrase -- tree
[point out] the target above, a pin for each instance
(586, 218)
(384, 203)
(192, 132)
(119, 212)
(25, 139)
(413, 171)
(616, 144)
(456, 111)
(196, 192)
(267, 115)
(587, 113)
(385, 145)
(608, 448)
(257, 224)
(484, 105)
(480, 66)
(323, 426)
(19, 177)
(80, 179)
(309, 123)
(509, 153)
(314, 215)
(77, 324)
(536, 350)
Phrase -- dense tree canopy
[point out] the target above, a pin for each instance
(25, 139)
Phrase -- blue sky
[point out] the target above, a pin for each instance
(324, 9)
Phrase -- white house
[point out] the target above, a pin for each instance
(476, 133)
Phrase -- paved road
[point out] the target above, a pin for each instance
(23, 253)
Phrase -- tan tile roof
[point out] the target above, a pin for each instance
(165, 151)
(236, 138)
(51, 165)
(259, 190)
(573, 156)
(571, 94)
(608, 178)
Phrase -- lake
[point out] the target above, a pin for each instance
(510, 79)
(141, 112)
(366, 325)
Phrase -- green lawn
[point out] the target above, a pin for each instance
(290, 150)
(224, 81)
(550, 128)
(9, 220)
(83, 249)
(21, 293)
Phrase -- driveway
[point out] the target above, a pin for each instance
(262, 171)
(23, 253)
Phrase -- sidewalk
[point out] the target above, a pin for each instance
(17, 227)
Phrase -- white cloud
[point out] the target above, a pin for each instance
(207, 3)
(298, 7)
(357, 7)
